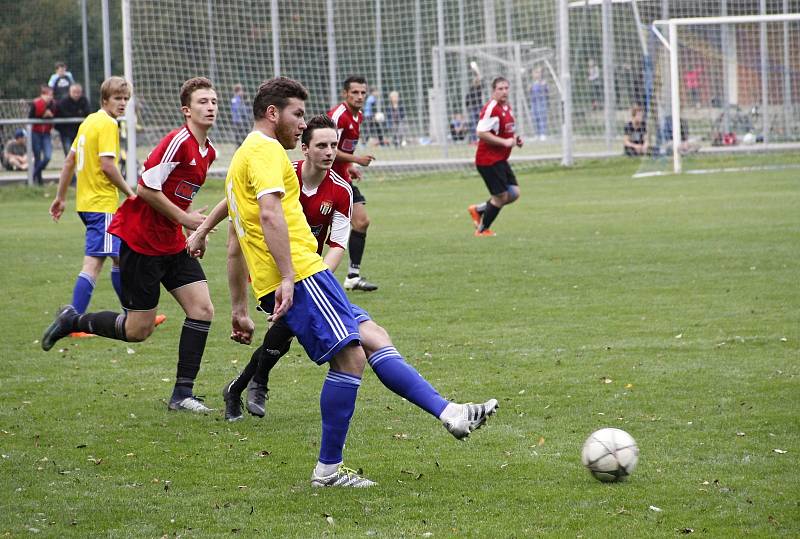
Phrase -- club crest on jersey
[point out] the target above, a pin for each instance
(186, 190)
(326, 207)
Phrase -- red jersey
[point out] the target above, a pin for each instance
(348, 127)
(177, 167)
(498, 120)
(37, 110)
(327, 207)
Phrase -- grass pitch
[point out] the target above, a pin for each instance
(668, 307)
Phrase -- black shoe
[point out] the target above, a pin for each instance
(233, 403)
(60, 328)
(257, 396)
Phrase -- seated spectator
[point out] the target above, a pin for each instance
(60, 81)
(685, 146)
(634, 141)
(15, 152)
(458, 127)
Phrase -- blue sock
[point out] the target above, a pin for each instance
(82, 293)
(337, 402)
(393, 372)
(116, 281)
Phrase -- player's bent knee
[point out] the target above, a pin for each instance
(138, 333)
(350, 360)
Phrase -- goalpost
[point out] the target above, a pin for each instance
(732, 69)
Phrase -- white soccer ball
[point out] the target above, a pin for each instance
(748, 139)
(610, 454)
(380, 117)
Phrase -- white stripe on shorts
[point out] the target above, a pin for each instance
(325, 307)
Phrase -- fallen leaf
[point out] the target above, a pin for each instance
(779, 451)
(739, 433)
(655, 509)
(628, 386)
(679, 336)
(131, 351)
(541, 441)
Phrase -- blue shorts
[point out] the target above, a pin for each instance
(360, 314)
(98, 241)
(321, 317)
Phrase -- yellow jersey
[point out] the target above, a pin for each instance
(98, 136)
(260, 167)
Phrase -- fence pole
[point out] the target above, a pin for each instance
(332, 83)
(567, 159)
(276, 38)
(130, 112)
(106, 40)
(85, 38)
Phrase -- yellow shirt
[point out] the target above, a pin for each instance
(259, 167)
(97, 136)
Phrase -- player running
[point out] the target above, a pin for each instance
(495, 140)
(152, 247)
(348, 118)
(94, 154)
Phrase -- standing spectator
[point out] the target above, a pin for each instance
(42, 107)
(75, 105)
(496, 133)
(240, 116)
(458, 127)
(474, 102)
(635, 140)
(60, 81)
(595, 84)
(540, 95)
(691, 79)
(15, 152)
(396, 119)
(372, 127)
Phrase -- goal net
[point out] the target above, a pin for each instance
(734, 82)
(430, 64)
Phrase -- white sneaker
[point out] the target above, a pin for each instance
(343, 477)
(189, 404)
(461, 422)
(359, 283)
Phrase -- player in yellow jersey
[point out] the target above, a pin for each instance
(94, 155)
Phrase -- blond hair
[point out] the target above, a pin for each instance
(113, 86)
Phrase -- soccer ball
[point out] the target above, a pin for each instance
(610, 454)
(748, 139)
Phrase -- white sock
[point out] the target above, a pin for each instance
(451, 411)
(324, 470)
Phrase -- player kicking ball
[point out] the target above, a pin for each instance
(152, 247)
(326, 201)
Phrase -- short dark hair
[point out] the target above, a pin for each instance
(277, 91)
(498, 80)
(320, 121)
(60, 64)
(353, 78)
(191, 86)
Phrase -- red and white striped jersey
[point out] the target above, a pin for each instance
(327, 208)
(498, 120)
(177, 167)
(348, 127)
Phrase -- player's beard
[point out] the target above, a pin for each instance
(285, 135)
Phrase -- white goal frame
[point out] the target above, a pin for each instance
(672, 47)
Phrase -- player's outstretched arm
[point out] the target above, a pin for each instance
(110, 169)
(197, 240)
(276, 236)
(242, 326)
(57, 207)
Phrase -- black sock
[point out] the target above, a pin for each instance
(356, 249)
(276, 344)
(104, 323)
(488, 216)
(240, 382)
(190, 353)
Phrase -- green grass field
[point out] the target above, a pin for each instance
(668, 307)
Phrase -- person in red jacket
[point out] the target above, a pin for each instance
(42, 107)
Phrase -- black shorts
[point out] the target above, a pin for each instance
(142, 276)
(358, 198)
(498, 177)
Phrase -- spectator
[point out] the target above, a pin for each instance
(15, 152)
(396, 119)
(42, 107)
(539, 103)
(241, 118)
(635, 140)
(60, 81)
(691, 79)
(595, 84)
(75, 105)
(474, 103)
(372, 125)
(685, 146)
(458, 127)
